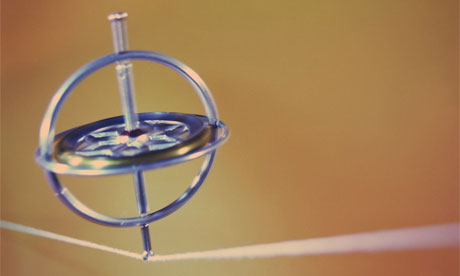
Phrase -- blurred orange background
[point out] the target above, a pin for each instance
(344, 118)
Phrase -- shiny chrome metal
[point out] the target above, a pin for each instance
(132, 143)
(81, 209)
(124, 69)
(126, 87)
(47, 136)
(119, 31)
(47, 128)
(142, 207)
(158, 133)
(116, 142)
(125, 80)
(64, 160)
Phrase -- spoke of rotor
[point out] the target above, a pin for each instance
(125, 79)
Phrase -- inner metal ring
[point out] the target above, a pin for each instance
(105, 145)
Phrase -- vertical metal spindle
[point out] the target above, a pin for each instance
(125, 79)
(143, 207)
(124, 69)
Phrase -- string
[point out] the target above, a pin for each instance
(53, 236)
(414, 238)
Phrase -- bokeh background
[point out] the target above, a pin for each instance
(344, 118)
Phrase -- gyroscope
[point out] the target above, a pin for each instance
(131, 143)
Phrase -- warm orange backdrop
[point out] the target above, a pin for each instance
(344, 118)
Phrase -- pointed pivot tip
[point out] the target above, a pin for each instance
(117, 16)
(146, 255)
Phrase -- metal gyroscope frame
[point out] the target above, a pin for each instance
(130, 143)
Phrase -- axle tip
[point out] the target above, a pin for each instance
(117, 16)
(146, 255)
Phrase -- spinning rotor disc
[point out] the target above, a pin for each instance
(106, 145)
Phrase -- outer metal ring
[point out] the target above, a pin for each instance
(81, 209)
(47, 131)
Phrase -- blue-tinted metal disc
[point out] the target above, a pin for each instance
(104, 148)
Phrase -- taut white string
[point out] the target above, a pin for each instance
(424, 237)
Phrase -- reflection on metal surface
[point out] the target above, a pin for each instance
(106, 145)
(130, 143)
